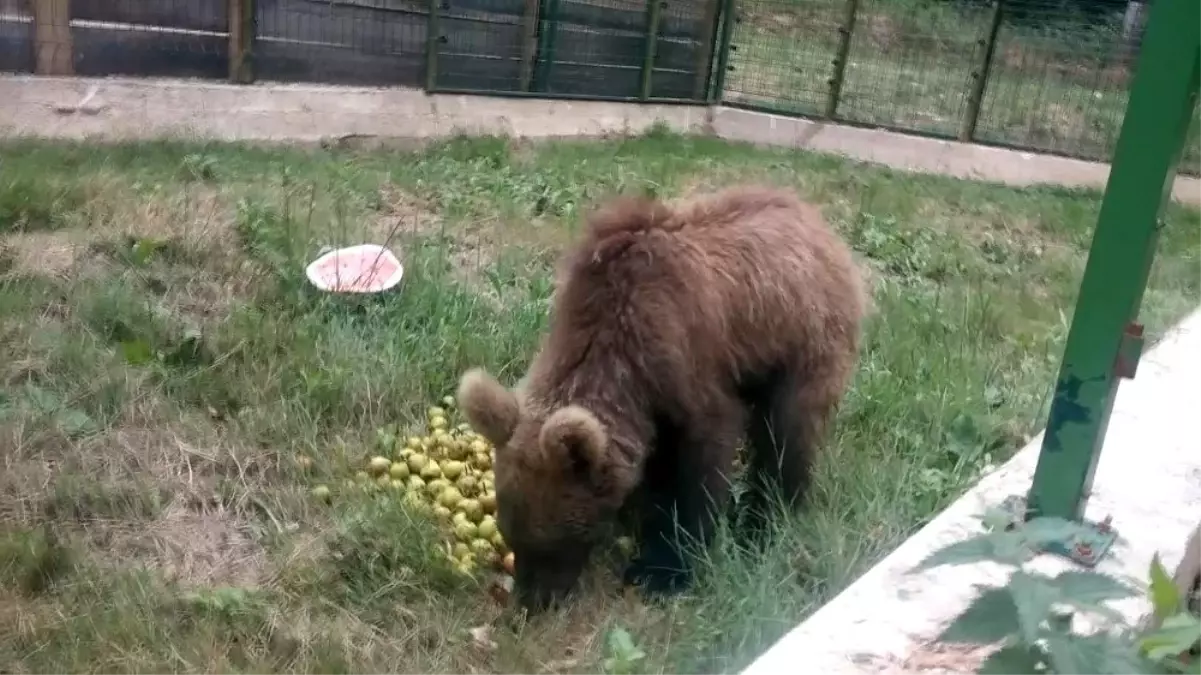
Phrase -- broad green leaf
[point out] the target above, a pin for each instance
(1109, 655)
(137, 352)
(1008, 660)
(622, 645)
(1045, 530)
(1165, 597)
(1073, 656)
(974, 550)
(75, 423)
(1177, 634)
(996, 519)
(990, 618)
(189, 351)
(1011, 548)
(143, 249)
(1086, 588)
(1098, 654)
(1033, 597)
(43, 400)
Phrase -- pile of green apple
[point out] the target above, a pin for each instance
(446, 473)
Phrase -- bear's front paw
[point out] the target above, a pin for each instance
(657, 579)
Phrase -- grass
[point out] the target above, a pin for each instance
(166, 366)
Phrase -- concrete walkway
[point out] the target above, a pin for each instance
(1148, 479)
(128, 108)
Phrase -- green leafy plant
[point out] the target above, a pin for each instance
(1175, 632)
(1031, 616)
(624, 654)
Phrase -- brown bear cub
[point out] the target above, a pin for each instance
(674, 332)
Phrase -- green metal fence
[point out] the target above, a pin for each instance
(1049, 75)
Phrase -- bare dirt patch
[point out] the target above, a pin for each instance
(470, 248)
(406, 217)
(191, 548)
(402, 213)
(50, 254)
(140, 494)
(198, 221)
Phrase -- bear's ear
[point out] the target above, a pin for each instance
(489, 407)
(574, 436)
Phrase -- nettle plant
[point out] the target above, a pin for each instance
(1033, 617)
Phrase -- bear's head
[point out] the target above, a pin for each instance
(555, 484)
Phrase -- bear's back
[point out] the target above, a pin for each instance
(724, 282)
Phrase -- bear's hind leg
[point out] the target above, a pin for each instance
(788, 417)
(687, 486)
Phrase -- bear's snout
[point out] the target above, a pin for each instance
(544, 582)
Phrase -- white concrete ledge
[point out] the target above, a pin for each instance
(1148, 479)
(129, 108)
(138, 108)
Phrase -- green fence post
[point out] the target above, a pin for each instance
(1104, 340)
(242, 30)
(546, 44)
(529, 42)
(724, 46)
(432, 38)
(975, 96)
(654, 10)
(705, 50)
(845, 30)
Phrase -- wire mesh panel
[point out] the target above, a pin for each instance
(180, 38)
(782, 53)
(1190, 163)
(1060, 77)
(16, 37)
(483, 45)
(910, 64)
(604, 48)
(366, 42)
(1190, 160)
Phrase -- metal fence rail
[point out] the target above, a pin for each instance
(1048, 75)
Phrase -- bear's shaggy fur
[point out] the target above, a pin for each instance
(674, 331)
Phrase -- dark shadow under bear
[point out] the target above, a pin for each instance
(675, 332)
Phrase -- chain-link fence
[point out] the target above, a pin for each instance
(362, 42)
(177, 38)
(616, 49)
(1050, 75)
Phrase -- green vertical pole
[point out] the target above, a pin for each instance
(705, 50)
(546, 44)
(654, 10)
(845, 30)
(529, 43)
(432, 38)
(975, 96)
(242, 30)
(724, 47)
(1104, 339)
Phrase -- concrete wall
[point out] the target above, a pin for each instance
(143, 108)
(118, 108)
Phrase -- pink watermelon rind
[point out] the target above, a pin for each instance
(369, 253)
